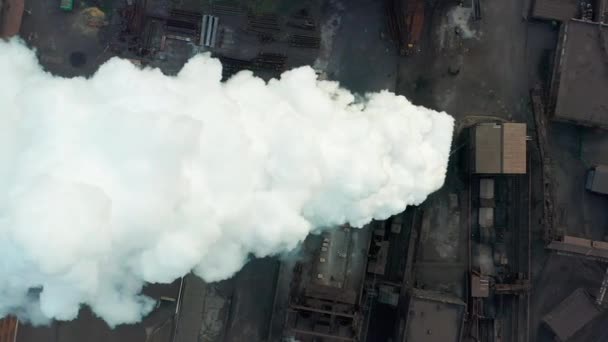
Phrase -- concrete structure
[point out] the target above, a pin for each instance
(499, 148)
(571, 315)
(432, 317)
(580, 82)
(11, 13)
(8, 329)
(597, 179)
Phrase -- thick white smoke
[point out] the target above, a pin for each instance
(132, 176)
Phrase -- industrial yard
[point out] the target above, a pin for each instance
(512, 248)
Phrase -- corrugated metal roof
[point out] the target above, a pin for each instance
(555, 9)
(514, 148)
(8, 329)
(571, 315)
(487, 148)
(500, 148)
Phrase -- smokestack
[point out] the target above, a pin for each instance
(132, 176)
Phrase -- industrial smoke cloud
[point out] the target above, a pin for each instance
(132, 177)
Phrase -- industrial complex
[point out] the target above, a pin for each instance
(513, 247)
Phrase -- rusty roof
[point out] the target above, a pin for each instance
(8, 329)
(11, 14)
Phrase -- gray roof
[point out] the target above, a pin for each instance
(571, 315)
(488, 148)
(582, 82)
(561, 10)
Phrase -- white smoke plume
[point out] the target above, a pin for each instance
(132, 177)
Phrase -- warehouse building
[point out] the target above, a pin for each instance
(499, 148)
(580, 77)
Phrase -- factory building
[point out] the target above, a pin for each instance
(499, 148)
(326, 292)
(579, 83)
(499, 218)
(8, 329)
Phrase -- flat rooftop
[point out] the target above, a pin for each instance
(582, 74)
(571, 315)
(500, 148)
(434, 317)
(338, 269)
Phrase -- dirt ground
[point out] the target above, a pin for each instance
(60, 37)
